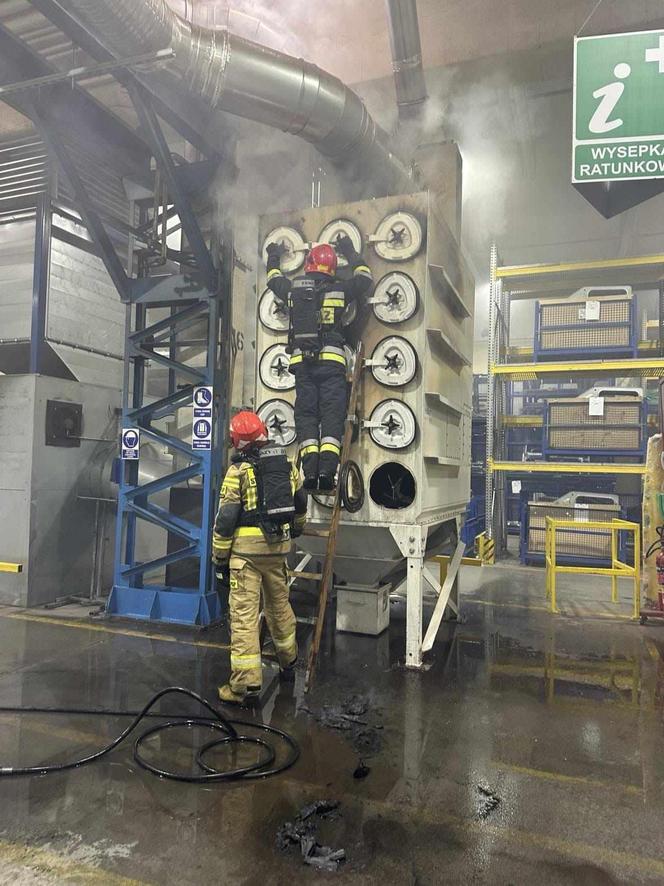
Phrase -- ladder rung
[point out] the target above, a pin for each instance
(317, 533)
(313, 576)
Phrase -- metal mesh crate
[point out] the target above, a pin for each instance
(565, 328)
(569, 427)
(579, 544)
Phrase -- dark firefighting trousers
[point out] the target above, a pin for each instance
(320, 412)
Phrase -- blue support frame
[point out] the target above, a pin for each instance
(202, 295)
(133, 596)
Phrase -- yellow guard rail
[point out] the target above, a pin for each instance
(617, 570)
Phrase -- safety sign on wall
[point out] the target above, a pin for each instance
(202, 434)
(203, 397)
(130, 444)
(619, 107)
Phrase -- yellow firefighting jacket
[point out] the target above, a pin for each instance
(237, 501)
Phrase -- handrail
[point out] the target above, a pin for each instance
(618, 568)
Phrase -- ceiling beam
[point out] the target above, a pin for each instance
(76, 111)
(185, 113)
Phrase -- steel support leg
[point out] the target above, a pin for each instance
(412, 542)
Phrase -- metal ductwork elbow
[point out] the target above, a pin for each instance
(243, 78)
(406, 53)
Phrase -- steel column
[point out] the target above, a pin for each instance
(42, 256)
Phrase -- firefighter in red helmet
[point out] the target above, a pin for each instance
(316, 303)
(261, 507)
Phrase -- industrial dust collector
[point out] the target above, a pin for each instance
(412, 443)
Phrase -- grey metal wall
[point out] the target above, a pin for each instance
(16, 432)
(17, 246)
(83, 305)
(46, 525)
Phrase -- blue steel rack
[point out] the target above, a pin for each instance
(199, 294)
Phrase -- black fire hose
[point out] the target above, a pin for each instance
(216, 723)
(351, 489)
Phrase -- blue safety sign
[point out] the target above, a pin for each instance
(202, 434)
(203, 396)
(130, 444)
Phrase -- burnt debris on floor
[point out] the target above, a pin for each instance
(303, 832)
(487, 802)
(351, 717)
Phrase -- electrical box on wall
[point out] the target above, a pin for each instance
(64, 423)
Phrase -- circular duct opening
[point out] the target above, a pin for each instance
(392, 486)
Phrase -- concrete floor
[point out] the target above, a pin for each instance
(560, 718)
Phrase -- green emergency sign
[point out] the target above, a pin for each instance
(619, 107)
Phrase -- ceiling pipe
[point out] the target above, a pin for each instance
(243, 78)
(406, 54)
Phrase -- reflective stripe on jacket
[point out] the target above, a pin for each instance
(238, 501)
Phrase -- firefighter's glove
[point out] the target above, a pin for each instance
(344, 245)
(276, 249)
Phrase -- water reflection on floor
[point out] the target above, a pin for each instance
(558, 719)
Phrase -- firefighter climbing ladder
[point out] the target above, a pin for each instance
(325, 577)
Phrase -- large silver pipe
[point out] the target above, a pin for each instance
(406, 52)
(251, 81)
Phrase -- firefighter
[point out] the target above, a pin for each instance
(316, 304)
(261, 507)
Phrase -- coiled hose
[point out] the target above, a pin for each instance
(216, 723)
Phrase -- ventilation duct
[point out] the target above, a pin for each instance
(243, 78)
(406, 53)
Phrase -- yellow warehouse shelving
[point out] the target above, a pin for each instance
(530, 282)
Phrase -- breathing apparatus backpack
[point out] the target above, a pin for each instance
(305, 332)
(274, 494)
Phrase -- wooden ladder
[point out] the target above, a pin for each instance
(325, 577)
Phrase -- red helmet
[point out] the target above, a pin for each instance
(247, 429)
(321, 258)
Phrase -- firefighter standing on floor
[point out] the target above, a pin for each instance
(316, 303)
(261, 507)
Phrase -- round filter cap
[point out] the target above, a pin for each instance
(273, 315)
(296, 248)
(279, 418)
(273, 369)
(341, 227)
(398, 237)
(394, 361)
(396, 298)
(392, 425)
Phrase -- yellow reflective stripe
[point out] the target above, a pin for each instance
(297, 358)
(334, 303)
(330, 447)
(275, 272)
(232, 481)
(250, 490)
(248, 532)
(307, 450)
(245, 662)
(363, 269)
(336, 357)
(285, 644)
(221, 544)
